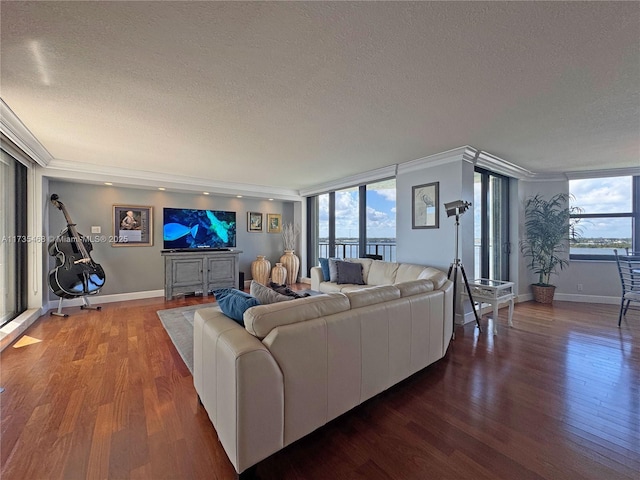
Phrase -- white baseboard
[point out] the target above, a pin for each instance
(570, 297)
(97, 300)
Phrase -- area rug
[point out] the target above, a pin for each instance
(178, 322)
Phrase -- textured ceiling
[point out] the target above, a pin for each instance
(292, 95)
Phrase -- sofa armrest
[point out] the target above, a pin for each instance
(316, 278)
(240, 386)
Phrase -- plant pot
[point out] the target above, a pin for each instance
(543, 293)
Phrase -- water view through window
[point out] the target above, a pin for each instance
(606, 220)
(379, 221)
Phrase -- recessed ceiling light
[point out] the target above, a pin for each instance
(271, 199)
(161, 188)
(205, 193)
(239, 196)
(108, 183)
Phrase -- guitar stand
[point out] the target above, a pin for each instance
(86, 305)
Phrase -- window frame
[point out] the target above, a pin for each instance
(313, 217)
(635, 221)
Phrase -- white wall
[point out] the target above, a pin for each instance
(435, 246)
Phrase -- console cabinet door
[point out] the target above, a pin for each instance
(221, 272)
(186, 275)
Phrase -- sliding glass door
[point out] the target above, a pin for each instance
(491, 211)
(13, 231)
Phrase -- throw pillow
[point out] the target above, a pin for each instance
(324, 264)
(333, 271)
(349, 272)
(265, 295)
(233, 303)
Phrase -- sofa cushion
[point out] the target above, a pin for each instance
(261, 320)
(349, 272)
(234, 303)
(438, 277)
(382, 273)
(407, 271)
(372, 295)
(414, 287)
(266, 295)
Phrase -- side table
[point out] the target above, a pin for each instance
(494, 292)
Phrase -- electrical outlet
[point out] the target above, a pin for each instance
(579, 287)
(95, 229)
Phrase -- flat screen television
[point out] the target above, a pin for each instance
(189, 229)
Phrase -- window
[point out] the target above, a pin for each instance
(353, 222)
(609, 217)
(381, 219)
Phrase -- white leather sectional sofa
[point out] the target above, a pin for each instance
(298, 364)
(377, 272)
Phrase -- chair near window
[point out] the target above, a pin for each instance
(629, 270)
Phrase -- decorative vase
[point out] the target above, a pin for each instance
(292, 263)
(279, 274)
(260, 269)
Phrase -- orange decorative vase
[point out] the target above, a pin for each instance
(260, 269)
(292, 263)
(279, 274)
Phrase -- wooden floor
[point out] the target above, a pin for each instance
(106, 395)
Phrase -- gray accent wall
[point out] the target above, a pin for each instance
(141, 268)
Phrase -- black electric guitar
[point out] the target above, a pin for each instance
(75, 274)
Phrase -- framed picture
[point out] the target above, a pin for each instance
(254, 221)
(425, 205)
(132, 226)
(274, 223)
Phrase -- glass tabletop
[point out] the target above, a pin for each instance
(488, 282)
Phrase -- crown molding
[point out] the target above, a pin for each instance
(89, 173)
(352, 181)
(500, 166)
(15, 132)
(465, 153)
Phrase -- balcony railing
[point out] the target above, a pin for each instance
(352, 250)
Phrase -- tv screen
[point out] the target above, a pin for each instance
(188, 228)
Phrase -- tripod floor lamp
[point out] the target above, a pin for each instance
(457, 208)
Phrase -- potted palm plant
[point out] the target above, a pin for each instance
(548, 229)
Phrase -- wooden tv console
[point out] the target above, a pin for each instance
(199, 271)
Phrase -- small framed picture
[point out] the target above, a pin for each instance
(132, 226)
(425, 209)
(274, 223)
(254, 221)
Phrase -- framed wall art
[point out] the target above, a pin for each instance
(132, 226)
(425, 206)
(254, 221)
(274, 223)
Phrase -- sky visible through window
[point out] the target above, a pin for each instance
(603, 195)
(381, 212)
